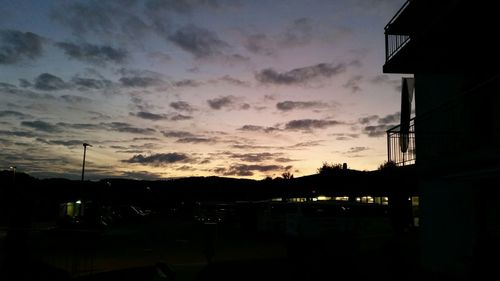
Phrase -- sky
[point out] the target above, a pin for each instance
(177, 88)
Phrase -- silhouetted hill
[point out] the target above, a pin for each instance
(50, 192)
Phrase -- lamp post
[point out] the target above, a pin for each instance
(84, 153)
(13, 168)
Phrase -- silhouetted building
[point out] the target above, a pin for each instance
(454, 138)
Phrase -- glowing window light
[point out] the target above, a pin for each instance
(385, 200)
(415, 201)
(367, 199)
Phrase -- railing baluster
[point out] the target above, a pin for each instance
(394, 149)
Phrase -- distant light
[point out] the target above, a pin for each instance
(78, 202)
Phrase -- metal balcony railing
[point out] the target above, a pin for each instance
(401, 145)
(395, 41)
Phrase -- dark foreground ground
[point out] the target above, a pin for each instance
(187, 250)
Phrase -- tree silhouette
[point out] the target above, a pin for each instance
(287, 175)
(329, 168)
(387, 165)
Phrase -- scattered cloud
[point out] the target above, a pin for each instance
(82, 126)
(24, 134)
(181, 6)
(300, 75)
(150, 116)
(386, 79)
(284, 160)
(310, 124)
(390, 119)
(306, 144)
(109, 126)
(196, 140)
(180, 117)
(377, 130)
(140, 81)
(182, 106)
(146, 138)
(68, 143)
(187, 83)
(185, 168)
(75, 99)
(230, 80)
(95, 54)
(219, 103)
(353, 83)
(292, 105)
(159, 159)
(345, 137)
(17, 45)
(23, 83)
(12, 113)
(357, 149)
(368, 119)
(90, 83)
(255, 128)
(141, 175)
(98, 116)
(49, 82)
(41, 126)
(253, 157)
(127, 128)
(243, 170)
(377, 126)
(177, 134)
(200, 42)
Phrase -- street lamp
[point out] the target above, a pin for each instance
(84, 152)
(13, 168)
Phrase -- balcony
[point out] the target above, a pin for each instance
(398, 40)
(401, 145)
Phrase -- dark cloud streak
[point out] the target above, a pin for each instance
(16, 45)
(182, 106)
(310, 124)
(95, 54)
(159, 159)
(300, 75)
(49, 82)
(200, 42)
(41, 126)
(291, 105)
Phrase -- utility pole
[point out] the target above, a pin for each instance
(84, 153)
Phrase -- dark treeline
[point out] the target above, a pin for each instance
(43, 196)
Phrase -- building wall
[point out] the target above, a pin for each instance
(458, 154)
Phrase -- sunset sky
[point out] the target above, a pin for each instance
(174, 88)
